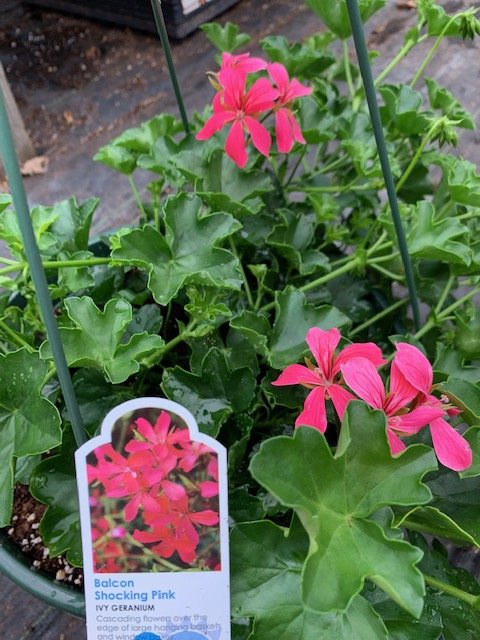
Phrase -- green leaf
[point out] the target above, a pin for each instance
(401, 625)
(96, 396)
(459, 619)
(298, 59)
(458, 498)
(96, 339)
(254, 326)
(464, 395)
(437, 239)
(445, 101)
(463, 183)
(214, 393)
(335, 15)
(243, 507)
(187, 254)
(5, 201)
(73, 279)
(294, 317)
(432, 521)
(218, 174)
(35, 420)
(292, 237)
(402, 106)
(7, 472)
(472, 436)
(437, 20)
(348, 546)
(118, 158)
(226, 38)
(266, 565)
(53, 483)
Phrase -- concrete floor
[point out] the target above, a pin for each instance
(130, 85)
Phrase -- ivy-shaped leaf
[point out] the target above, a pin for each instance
(438, 239)
(36, 420)
(214, 393)
(299, 59)
(217, 174)
(459, 619)
(226, 38)
(335, 508)
(402, 106)
(459, 499)
(442, 99)
(53, 483)
(292, 237)
(432, 521)
(95, 339)
(29, 423)
(266, 565)
(187, 254)
(335, 15)
(294, 317)
(464, 395)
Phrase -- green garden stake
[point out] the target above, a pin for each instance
(162, 33)
(368, 83)
(12, 170)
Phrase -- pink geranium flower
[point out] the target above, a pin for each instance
(243, 109)
(242, 63)
(452, 450)
(324, 379)
(287, 130)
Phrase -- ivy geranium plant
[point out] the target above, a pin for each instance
(263, 289)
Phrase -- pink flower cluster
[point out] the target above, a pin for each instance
(409, 404)
(161, 486)
(243, 107)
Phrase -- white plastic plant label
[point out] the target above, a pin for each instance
(153, 508)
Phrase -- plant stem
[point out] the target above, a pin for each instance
(417, 156)
(403, 52)
(433, 50)
(379, 316)
(446, 312)
(445, 292)
(57, 264)
(295, 167)
(136, 195)
(348, 70)
(350, 266)
(337, 188)
(248, 292)
(389, 274)
(469, 598)
(15, 337)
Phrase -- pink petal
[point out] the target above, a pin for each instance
(363, 378)
(173, 491)
(279, 75)
(260, 97)
(131, 508)
(452, 450)
(145, 429)
(297, 132)
(162, 425)
(366, 350)
(297, 374)
(297, 90)
(340, 398)
(260, 137)
(401, 391)
(283, 131)
(208, 489)
(207, 517)
(415, 420)
(235, 144)
(322, 344)
(314, 414)
(214, 124)
(414, 366)
(396, 445)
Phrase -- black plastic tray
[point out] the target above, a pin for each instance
(138, 13)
